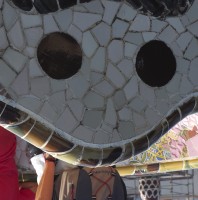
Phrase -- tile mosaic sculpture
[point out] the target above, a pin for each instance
(105, 113)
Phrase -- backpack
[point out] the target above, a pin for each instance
(103, 183)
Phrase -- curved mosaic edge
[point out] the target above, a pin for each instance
(158, 168)
(28, 128)
(159, 9)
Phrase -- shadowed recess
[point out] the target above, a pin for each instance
(155, 63)
(59, 55)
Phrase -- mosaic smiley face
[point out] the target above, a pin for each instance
(107, 79)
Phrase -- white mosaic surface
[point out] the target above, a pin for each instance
(105, 102)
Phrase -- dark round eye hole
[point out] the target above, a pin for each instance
(155, 63)
(59, 55)
(25, 5)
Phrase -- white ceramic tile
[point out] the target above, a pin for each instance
(94, 101)
(131, 88)
(78, 85)
(33, 36)
(126, 13)
(80, 8)
(162, 107)
(40, 86)
(101, 137)
(184, 40)
(29, 21)
(148, 36)
(185, 87)
(129, 49)
(96, 78)
(110, 115)
(18, 60)
(84, 21)
(176, 24)
(29, 51)
(85, 68)
(193, 28)
(57, 85)
(77, 108)
(9, 15)
(114, 75)
(63, 19)
(176, 49)
(104, 88)
(89, 44)
(193, 72)
(119, 28)
(147, 93)
(152, 117)
(140, 23)
(92, 118)
(126, 130)
(168, 35)
(7, 75)
(126, 67)
(67, 125)
(184, 20)
(107, 128)
(111, 9)
(1, 19)
(115, 136)
(94, 7)
(3, 42)
(183, 65)
(21, 83)
(115, 51)
(173, 85)
(83, 133)
(75, 33)
(139, 120)
(48, 113)
(1, 3)
(98, 62)
(192, 13)
(15, 36)
(137, 104)
(119, 99)
(30, 102)
(161, 94)
(125, 114)
(58, 101)
(102, 32)
(134, 38)
(34, 69)
(49, 24)
(192, 50)
(158, 25)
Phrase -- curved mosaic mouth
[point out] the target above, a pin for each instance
(94, 104)
(48, 139)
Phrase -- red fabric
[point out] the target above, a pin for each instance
(9, 187)
(26, 194)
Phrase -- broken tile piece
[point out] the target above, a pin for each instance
(115, 51)
(89, 44)
(16, 37)
(85, 20)
(114, 75)
(102, 33)
(18, 60)
(140, 23)
(92, 118)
